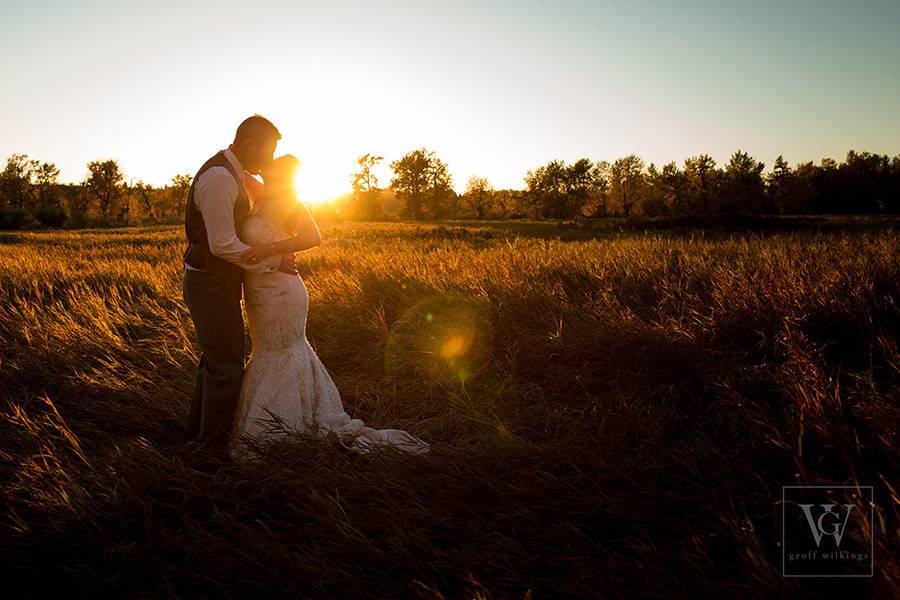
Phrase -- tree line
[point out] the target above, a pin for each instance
(421, 188)
(31, 195)
(864, 183)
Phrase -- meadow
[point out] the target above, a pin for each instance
(612, 413)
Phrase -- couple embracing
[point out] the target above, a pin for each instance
(242, 236)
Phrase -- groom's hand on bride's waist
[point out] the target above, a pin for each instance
(288, 264)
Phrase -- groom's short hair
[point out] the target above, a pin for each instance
(256, 128)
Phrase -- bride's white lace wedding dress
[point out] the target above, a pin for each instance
(286, 387)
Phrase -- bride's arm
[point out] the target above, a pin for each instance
(304, 235)
(304, 230)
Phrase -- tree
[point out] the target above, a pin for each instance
(673, 189)
(557, 190)
(510, 203)
(181, 184)
(580, 182)
(410, 182)
(779, 184)
(106, 181)
(16, 180)
(144, 193)
(479, 195)
(864, 183)
(597, 204)
(743, 188)
(46, 178)
(893, 203)
(422, 184)
(653, 200)
(702, 178)
(801, 197)
(49, 209)
(16, 192)
(366, 193)
(626, 179)
(442, 201)
(826, 187)
(78, 199)
(544, 187)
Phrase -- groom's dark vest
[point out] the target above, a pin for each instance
(198, 253)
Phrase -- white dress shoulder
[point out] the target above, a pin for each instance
(286, 388)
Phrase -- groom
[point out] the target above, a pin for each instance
(217, 205)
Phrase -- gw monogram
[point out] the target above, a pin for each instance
(823, 520)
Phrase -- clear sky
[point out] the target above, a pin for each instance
(493, 87)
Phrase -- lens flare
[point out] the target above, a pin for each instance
(455, 346)
(444, 338)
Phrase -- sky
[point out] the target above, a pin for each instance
(494, 88)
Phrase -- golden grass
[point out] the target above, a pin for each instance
(610, 416)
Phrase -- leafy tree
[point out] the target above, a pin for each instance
(580, 182)
(672, 186)
(558, 190)
(865, 183)
(479, 195)
(826, 185)
(49, 209)
(653, 200)
(178, 192)
(546, 188)
(106, 182)
(144, 195)
(703, 180)
(442, 199)
(366, 193)
(422, 184)
(625, 181)
(16, 181)
(779, 184)
(743, 188)
(46, 178)
(510, 203)
(79, 200)
(410, 183)
(801, 197)
(597, 204)
(893, 200)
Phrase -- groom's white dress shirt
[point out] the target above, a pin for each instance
(215, 193)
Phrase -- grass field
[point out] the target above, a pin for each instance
(612, 414)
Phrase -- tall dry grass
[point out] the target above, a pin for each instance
(609, 417)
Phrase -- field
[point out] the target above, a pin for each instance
(612, 414)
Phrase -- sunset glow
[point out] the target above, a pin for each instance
(317, 187)
(493, 88)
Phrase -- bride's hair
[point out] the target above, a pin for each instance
(278, 196)
(281, 171)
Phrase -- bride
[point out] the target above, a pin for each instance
(286, 388)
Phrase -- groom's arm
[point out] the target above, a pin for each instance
(215, 196)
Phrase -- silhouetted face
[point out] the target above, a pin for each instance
(276, 176)
(256, 154)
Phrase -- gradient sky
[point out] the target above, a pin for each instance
(493, 87)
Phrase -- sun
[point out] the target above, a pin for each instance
(305, 192)
(320, 183)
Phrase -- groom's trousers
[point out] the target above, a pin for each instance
(214, 301)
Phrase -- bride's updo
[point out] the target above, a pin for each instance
(279, 174)
(278, 201)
